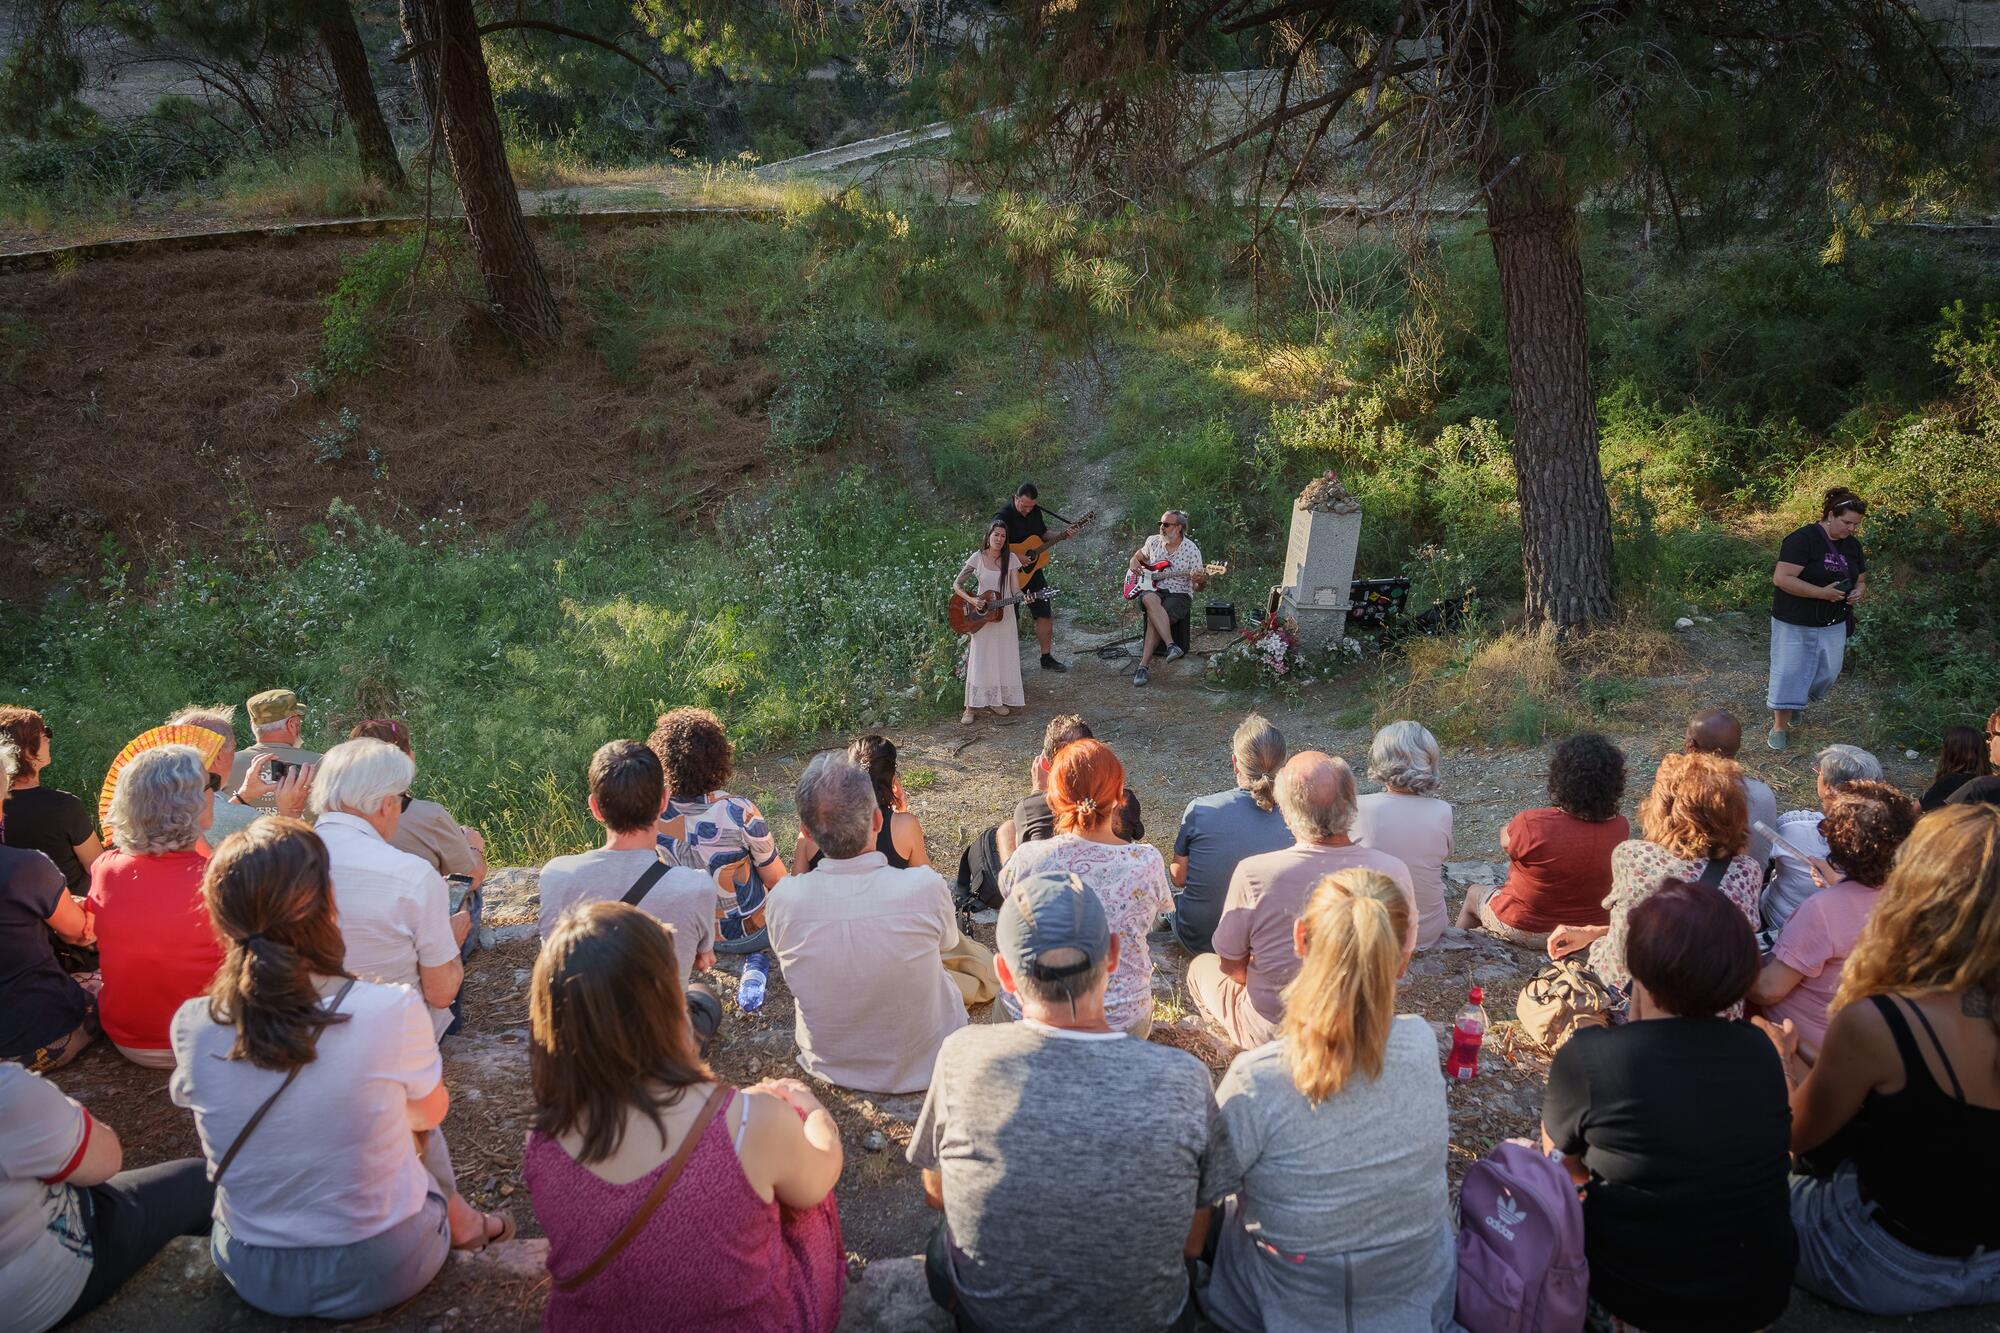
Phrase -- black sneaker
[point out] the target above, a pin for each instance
(1050, 664)
(1141, 676)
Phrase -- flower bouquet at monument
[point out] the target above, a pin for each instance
(1268, 652)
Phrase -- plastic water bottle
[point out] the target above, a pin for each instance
(750, 990)
(1468, 1030)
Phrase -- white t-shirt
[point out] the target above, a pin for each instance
(334, 1161)
(45, 1254)
(1792, 879)
(862, 947)
(1416, 830)
(395, 911)
(682, 898)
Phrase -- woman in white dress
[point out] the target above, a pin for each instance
(993, 666)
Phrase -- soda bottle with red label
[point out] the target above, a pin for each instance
(1468, 1030)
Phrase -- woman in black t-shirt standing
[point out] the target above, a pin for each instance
(1821, 574)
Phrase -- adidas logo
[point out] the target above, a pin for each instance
(1507, 1216)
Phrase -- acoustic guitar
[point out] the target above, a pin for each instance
(966, 619)
(1148, 580)
(1031, 554)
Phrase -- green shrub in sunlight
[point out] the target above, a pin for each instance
(514, 657)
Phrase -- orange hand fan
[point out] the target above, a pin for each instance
(201, 738)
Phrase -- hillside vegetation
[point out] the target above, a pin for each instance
(917, 364)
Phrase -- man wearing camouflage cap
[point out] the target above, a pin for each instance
(277, 718)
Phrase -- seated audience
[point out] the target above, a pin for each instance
(1718, 732)
(154, 942)
(43, 819)
(1337, 1134)
(723, 836)
(901, 840)
(395, 912)
(1062, 1116)
(1240, 987)
(307, 1084)
(1559, 856)
(747, 1234)
(1962, 758)
(46, 1018)
(1130, 826)
(1865, 825)
(277, 719)
(427, 828)
(1033, 820)
(1909, 1078)
(1792, 876)
(1086, 784)
(1984, 790)
(1675, 1125)
(1407, 820)
(628, 789)
(1221, 830)
(863, 944)
(73, 1225)
(1693, 816)
(240, 807)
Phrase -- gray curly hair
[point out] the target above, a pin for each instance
(1405, 756)
(158, 802)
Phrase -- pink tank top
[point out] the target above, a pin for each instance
(713, 1257)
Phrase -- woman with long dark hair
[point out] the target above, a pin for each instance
(670, 1199)
(1822, 573)
(993, 657)
(306, 1085)
(1961, 759)
(901, 841)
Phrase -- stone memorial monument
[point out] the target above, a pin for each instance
(1319, 563)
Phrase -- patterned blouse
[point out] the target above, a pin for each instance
(1131, 881)
(1184, 563)
(711, 832)
(1637, 868)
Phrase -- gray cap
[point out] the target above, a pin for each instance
(1048, 911)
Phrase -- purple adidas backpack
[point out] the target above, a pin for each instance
(1520, 1245)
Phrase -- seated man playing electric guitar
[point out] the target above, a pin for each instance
(1168, 570)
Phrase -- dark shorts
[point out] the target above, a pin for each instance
(1179, 607)
(1039, 610)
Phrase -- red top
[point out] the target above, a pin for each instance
(154, 942)
(1561, 871)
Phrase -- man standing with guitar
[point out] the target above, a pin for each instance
(1028, 538)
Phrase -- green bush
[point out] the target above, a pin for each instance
(515, 655)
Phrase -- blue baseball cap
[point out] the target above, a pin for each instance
(1048, 911)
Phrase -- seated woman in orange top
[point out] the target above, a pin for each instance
(155, 945)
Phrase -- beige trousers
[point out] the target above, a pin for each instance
(969, 964)
(1226, 1003)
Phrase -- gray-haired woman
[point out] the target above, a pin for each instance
(1407, 820)
(155, 946)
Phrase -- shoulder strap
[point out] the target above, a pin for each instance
(1914, 1067)
(257, 1117)
(1957, 1091)
(712, 1108)
(1713, 873)
(644, 884)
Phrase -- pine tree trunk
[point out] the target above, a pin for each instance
(515, 280)
(1565, 514)
(417, 32)
(342, 39)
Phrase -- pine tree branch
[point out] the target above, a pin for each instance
(543, 25)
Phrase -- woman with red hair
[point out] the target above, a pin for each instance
(1086, 792)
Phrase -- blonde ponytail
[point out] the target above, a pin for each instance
(1339, 1007)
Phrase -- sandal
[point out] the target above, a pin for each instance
(488, 1236)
